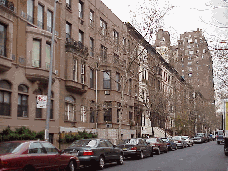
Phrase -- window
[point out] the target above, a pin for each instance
(30, 11)
(92, 115)
(40, 17)
(91, 18)
(91, 47)
(81, 36)
(130, 115)
(118, 81)
(68, 3)
(5, 98)
(190, 74)
(118, 111)
(83, 73)
(107, 80)
(91, 78)
(38, 110)
(130, 86)
(50, 148)
(49, 21)
(36, 49)
(80, 9)
(48, 56)
(103, 53)
(83, 114)
(116, 38)
(2, 40)
(51, 110)
(103, 26)
(191, 52)
(108, 111)
(22, 107)
(124, 44)
(68, 30)
(35, 148)
(69, 109)
(75, 70)
(116, 58)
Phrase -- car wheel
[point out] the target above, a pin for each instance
(152, 153)
(166, 150)
(101, 163)
(141, 155)
(71, 166)
(226, 154)
(158, 152)
(120, 161)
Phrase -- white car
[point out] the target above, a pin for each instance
(188, 140)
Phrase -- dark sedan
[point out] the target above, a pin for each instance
(136, 147)
(158, 145)
(34, 155)
(95, 152)
(170, 143)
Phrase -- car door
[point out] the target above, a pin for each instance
(103, 149)
(142, 146)
(37, 156)
(113, 152)
(55, 159)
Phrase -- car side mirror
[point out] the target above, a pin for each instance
(61, 151)
(114, 146)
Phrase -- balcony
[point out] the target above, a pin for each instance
(75, 87)
(8, 4)
(37, 74)
(76, 47)
(5, 64)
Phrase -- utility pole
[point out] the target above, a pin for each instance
(50, 77)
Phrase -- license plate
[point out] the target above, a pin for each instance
(125, 149)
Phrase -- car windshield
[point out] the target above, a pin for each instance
(9, 147)
(220, 132)
(129, 141)
(151, 140)
(177, 138)
(84, 143)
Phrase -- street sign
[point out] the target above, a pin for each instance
(41, 101)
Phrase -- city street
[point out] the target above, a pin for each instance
(200, 157)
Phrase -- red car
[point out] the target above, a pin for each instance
(158, 145)
(34, 155)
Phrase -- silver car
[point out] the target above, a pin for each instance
(188, 140)
(180, 142)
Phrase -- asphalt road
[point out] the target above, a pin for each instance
(200, 157)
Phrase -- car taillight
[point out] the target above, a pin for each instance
(168, 143)
(179, 141)
(133, 148)
(88, 153)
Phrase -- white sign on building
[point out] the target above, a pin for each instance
(41, 101)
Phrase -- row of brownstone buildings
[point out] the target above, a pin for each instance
(106, 78)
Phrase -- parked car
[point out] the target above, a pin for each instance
(95, 152)
(220, 137)
(203, 135)
(170, 143)
(35, 155)
(179, 141)
(158, 145)
(135, 147)
(188, 140)
(198, 139)
(226, 146)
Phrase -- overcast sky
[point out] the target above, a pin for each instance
(207, 15)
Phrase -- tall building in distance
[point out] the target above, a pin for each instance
(195, 63)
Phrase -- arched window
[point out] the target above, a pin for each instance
(22, 108)
(5, 98)
(69, 109)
